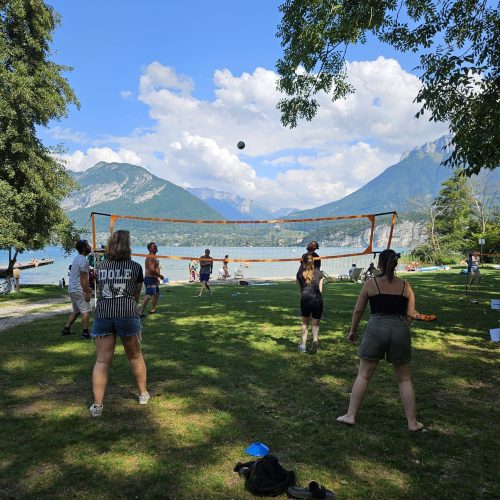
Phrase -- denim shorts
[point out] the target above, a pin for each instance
(204, 276)
(386, 336)
(123, 327)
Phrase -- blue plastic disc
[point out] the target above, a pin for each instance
(257, 449)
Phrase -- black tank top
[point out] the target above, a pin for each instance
(388, 303)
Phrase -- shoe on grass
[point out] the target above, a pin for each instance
(85, 336)
(314, 347)
(144, 398)
(66, 331)
(301, 348)
(95, 410)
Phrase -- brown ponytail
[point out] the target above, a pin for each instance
(308, 269)
(387, 262)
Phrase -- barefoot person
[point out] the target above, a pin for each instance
(79, 290)
(310, 282)
(152, 279)
(387, 335)
(119, 281)
(206, 268)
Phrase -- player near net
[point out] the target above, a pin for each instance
(152, 277)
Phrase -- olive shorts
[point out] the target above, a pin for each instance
(386, 337)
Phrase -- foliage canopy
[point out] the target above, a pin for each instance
(33, 92)
(459, 46)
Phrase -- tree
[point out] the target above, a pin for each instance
(429, 208)
(485, 199)
(459, 46)
(33, 92)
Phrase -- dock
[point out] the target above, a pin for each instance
(31, 264)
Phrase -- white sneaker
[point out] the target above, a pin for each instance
(144, 398)
(95, 411)
(301, 348)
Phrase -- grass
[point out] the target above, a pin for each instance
(224, 372)
(32, 293)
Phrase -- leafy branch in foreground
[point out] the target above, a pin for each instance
(459, 46)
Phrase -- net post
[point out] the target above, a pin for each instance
(94, 241)
(393, 222)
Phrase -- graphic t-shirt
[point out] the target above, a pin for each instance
(80, 265)
(117, 280)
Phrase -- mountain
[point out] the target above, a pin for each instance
(417, 174)
(233, 207)
(121, 188)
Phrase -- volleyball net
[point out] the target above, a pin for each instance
(254, 241)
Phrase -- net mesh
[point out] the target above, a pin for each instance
(247, 243)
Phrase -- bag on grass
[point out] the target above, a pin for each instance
(265, 476)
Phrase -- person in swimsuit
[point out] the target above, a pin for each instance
(386, 336)
(152, 279)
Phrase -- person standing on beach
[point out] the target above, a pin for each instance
(206, 268)
(311, 248)
(152, 277)
(79, 289)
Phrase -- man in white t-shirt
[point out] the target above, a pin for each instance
(79, 290)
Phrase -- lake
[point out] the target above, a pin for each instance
(177, 270)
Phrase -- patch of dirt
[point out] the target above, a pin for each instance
(17, 313)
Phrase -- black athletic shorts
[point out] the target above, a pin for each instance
(311, 306)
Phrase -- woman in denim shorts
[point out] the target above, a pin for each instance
(119, 282)
(386, 336)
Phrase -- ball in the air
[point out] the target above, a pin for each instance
(240, 145)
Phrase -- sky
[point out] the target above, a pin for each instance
(173, 86)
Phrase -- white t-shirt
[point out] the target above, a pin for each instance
(80, 265)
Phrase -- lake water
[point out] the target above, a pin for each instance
(177, 270)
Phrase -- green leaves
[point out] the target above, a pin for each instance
(33, 92)
(459, 43)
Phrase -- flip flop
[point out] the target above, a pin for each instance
(314, 490)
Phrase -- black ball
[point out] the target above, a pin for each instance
(240, 145)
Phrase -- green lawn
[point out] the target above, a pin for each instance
(32, 293)
(224, 371)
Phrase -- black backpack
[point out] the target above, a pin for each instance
(265, 476)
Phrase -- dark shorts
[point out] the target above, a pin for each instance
(123, 327)
(204, 276)
(311, 306)
(386, 337)
(151, 285)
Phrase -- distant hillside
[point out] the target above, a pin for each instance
(418, 174)
(121, 188)
(233, 207)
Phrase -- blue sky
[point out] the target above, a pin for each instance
(172, 86)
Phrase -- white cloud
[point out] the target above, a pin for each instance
(193, 141)
(66, 134)
(79, 160)
(126, 94)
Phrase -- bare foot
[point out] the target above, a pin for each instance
(346, 420)
(415, 427)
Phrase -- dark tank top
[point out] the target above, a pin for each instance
(388, 303)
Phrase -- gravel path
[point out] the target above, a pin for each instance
(15, 313)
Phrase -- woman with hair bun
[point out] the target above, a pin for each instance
(386, 336)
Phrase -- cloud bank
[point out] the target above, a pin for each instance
(192, 141)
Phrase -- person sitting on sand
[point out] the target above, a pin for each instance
(386, 336)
